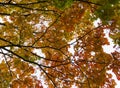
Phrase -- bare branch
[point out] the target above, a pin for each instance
(5, 58)
(55, 86)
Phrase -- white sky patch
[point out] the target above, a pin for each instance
(108, 48)
(39, 76)
(8, 19)
(1, 20)
(73, 86)
(71, 49)
(1, 58)
(39, 52)
(37, 72)
(93, 53)
(1, 55)
(42, 23)
(5, 18)
(114, 77)
(97, 22)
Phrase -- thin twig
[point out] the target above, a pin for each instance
(5, 58)
(46, 30)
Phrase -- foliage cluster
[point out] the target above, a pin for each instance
(48, 27)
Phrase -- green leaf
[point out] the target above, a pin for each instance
(62, 4)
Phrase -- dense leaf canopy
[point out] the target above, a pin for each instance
(36, 38)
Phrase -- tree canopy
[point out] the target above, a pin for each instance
(36, 35)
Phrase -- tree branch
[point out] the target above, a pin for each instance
(79, 37)
(23, 6)
(88, 2)
(5, 58)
